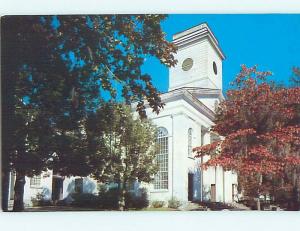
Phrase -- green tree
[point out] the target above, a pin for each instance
(128, 144)
(55, 71)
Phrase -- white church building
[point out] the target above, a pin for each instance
(195, 89)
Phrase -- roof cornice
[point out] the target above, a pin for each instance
(196, 91)
(196, 34)
(187, 96)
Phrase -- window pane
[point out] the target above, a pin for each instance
(190, 142)
(35, 181)
(161, 178)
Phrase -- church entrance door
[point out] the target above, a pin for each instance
(57, 188)
(190, 186)
(213, 193)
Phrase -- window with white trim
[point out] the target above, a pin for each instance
(190, 142)
(161, 178)
(35, 181)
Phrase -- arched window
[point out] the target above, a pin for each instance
(161, 178)
(190, 142)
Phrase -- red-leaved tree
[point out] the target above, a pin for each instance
(260, 126)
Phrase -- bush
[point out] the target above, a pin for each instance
(137, 202)
(158, 204)
(108, 198)
(85, 200)
(40, 200)
(174, 203)
(62, 203)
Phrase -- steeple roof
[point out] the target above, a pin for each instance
(196, 34)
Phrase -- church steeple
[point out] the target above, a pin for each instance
(199, 59)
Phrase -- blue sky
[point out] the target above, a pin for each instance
(270, 41)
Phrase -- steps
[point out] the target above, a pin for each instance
(239, 207)
(190, 206)
(10, 204)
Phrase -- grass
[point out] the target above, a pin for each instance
(159, 209)
(69, 208)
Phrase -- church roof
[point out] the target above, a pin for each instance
(195, 34)
(198, 92)
(190, 95)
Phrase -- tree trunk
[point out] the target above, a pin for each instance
(124, 184)
(8, 82)
(5, 189)
(122, 193)
(258, 193)
(258, 204)
(19, 192)
(122, 199)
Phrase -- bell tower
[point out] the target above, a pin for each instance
(199, 59)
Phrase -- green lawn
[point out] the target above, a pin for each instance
(69, 208)
(158, 209)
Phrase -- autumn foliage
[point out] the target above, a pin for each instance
(260, 127)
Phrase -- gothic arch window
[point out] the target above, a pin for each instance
(161, 178)
(190, 142)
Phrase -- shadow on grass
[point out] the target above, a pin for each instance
(214, 206)
(69, 208)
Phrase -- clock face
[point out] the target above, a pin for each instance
(187, 64)
(215, 68)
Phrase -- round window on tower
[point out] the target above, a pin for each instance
(187, 64)
(215, 68)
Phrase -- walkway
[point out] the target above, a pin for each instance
(189, 206)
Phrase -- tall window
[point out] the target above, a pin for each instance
(12, 184)
(35, 181)
(190, 142)
(161, 178)
(216, 105)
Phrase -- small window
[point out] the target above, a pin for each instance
(233, 192)
(216, 105)
(214, 137)
(215, 68)
(203, 132)
(202, 138)
(78, 185)
(35, 181)
(190, 142)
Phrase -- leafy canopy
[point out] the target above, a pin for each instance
(56, 70)
(260, 126)
(123, 146)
